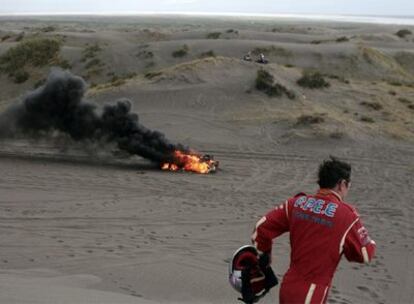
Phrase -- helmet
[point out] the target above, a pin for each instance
(244, 270)
(250, 274)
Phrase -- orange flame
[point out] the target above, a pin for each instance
(191, 162)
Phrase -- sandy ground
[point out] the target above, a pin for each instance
(82, 228)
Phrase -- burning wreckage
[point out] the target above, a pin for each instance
(192, 162)
(59, 106)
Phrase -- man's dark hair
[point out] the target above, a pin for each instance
(332, 171)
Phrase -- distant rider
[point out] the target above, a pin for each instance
(262, 58)
(248, 56)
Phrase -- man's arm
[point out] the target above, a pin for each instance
(357, 245)
(273, 224)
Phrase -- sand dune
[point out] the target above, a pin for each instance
(44, 286)
(89, 224)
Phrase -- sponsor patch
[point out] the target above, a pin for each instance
(317, 206)
(312, 218)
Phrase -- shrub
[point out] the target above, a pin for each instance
(121, 79)
(333, 76)
(20, 76)
(90, 51)
(367, 119)
(336, 135)
(263, 80)
(264, 83)
(145, 54)
(404, 100)
(64, 64)
(213, 35)
(373, 105)
(47, 29)
(19, 37)
(278, 90)
(181, 52)
(402, 33)
(309, 119)
(93, 62)
(151, 75)
(118, 82)
(37, 52)
(313, 80)
(395, 83)
(114, 78)
(407, 102)
(208, 54)
(94, 72)
(115, 81)
(5, 37)
(229, 31)
(342, 39)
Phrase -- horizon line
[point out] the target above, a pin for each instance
(381, 19)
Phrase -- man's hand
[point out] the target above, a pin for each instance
(264, 261)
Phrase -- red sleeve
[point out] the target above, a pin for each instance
(358, 246)
(273, 224)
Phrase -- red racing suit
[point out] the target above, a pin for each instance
(322, 228)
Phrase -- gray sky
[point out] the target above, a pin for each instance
(355, 7)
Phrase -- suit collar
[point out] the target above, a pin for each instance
(330, 192)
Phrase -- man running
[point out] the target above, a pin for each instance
(322, 228)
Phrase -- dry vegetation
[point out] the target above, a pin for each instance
(372, 105)
(407, 102)
(367, 119)
(265, 83)
(36, 52)
(310, 119)
(151, 75)
(183, 51)
(213, 35)
(359, 58)
(272, 51)
(115, 81)
(144, 54)
(207, 54)
(403, 33)
(313, 80)
(342, 39)
(90, 51)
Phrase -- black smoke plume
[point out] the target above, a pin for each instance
(59, 105)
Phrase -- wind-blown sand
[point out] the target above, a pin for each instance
(99, 227)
